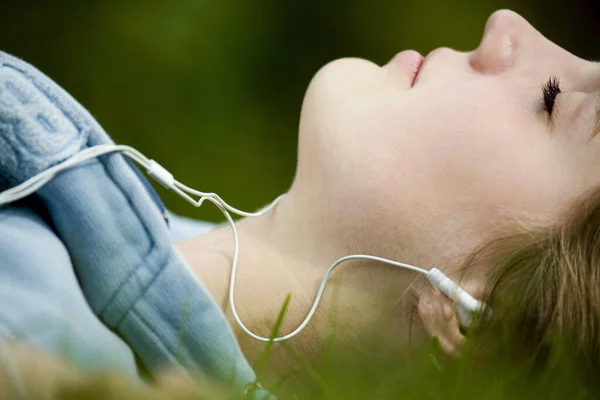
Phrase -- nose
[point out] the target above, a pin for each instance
(504, 37)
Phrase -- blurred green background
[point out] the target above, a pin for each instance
(212, 88)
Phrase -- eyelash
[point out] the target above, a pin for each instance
(550, 90)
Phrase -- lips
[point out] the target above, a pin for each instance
(418, 69)
(409, 62)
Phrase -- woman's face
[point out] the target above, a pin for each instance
(465, 146)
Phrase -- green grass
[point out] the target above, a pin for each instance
(423, 371)
(377, 370)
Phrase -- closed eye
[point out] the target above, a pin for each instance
(550, 91)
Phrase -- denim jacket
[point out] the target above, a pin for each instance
(100, 280)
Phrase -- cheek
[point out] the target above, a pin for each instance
(379, 153)
(496, 169)
(479, 167)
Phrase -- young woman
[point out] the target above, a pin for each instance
(422, 160)
(425, 161)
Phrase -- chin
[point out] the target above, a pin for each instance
(339, 82)
(334, 105)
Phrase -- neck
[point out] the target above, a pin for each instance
(287, 251)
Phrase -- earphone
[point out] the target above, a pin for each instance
(467, 305)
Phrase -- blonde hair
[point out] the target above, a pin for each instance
(544, 289)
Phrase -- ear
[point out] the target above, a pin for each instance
(439, 315)
(439, 319)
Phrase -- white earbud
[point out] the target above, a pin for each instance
(467, 305)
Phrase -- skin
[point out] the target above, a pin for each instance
(420, 174)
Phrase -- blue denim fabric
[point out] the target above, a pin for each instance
(120, 247)
(42, 303)
(182, 228)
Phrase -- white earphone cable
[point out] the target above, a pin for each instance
(468, 304)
